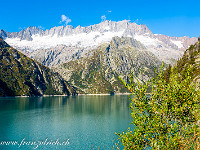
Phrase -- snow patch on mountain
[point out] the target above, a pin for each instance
(147, 41)
(178, 43)
(80, 40)
(107, 28)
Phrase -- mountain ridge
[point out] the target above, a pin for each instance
(34, 39)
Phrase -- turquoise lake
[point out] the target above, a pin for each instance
(63, 122)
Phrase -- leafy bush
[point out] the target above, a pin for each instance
(168, 117)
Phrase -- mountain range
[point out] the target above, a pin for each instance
(90, 59)
(33, 41)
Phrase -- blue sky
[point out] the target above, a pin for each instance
(168, 17)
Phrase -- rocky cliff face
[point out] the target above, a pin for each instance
(99, 71)
(21, 75)
(58, 55)
(34, 41)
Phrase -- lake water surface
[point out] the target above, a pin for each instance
(71, 122)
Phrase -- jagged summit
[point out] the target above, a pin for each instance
(24, 34)
(33, 38)
(90, 37)
(112, 26)
(3, 34)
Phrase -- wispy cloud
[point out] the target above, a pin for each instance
(40, 27)
(65, 19)
(137, 20)
(21, 28)
(107, 13)
(103, 18)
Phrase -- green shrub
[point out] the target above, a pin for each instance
(165, 119)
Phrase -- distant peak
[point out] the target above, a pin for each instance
(3, 34)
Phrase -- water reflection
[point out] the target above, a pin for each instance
(86, 120)
(76, 104)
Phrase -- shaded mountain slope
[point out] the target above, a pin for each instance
(20, 75)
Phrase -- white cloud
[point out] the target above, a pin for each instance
(109, 11)
(65, 19)
(103, 18)
(40, 27)
(137, 20)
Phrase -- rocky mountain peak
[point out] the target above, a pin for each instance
(3, 34)
(107, 26)
(34, 30)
